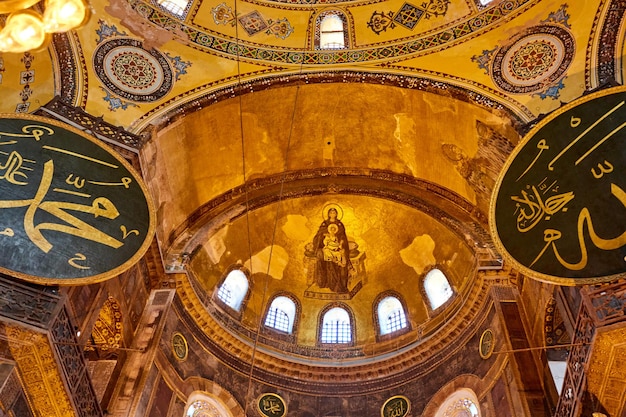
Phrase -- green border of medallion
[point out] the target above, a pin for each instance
(151, 209)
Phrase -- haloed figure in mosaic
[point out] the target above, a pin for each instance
(333, 266)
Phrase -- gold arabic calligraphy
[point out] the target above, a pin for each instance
(395, 409)
(101, 206)
(272, 406)
(532, 205)
(532, 208)
(550, 236)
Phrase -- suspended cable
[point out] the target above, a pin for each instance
(278, 204)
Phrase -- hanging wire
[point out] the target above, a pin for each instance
(239, 92)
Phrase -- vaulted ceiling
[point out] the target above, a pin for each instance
(251, 131)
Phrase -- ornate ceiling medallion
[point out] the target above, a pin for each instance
(131, 72)
(537, 58)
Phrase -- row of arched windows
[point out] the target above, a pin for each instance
(336, 324)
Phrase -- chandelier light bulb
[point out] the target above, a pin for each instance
(22, 32)
(64, 15)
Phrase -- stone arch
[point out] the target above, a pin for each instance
(469, 385)
(200, 389)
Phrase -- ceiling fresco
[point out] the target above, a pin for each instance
(248, 133)
(522, 56)
(288, 129)
(392, 246)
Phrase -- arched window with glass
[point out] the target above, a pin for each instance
(461, 403)
(390, 315)
(233, 290)
(437, 288)
(178, 8)
(281, 314)
(336, 326)
(331, 30)
(202, 404)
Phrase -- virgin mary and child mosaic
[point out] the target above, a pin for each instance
(335, 268)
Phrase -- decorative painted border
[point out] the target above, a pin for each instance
(71, 82)
(235, 49)
(603, 67)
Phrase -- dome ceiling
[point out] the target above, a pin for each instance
(248, 181)
(482, 50)
(250, 133)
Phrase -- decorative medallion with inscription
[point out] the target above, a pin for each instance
(71, 210)
(486, 344)
(558, 211)
(131, 72)
(271, 405)
(179, 346)
(398, 406)
(536, 58)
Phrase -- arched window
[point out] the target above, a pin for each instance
(281, 314)
(461, 403)
(331, 33)
(176, 7)
(336, 326)
(233, 290)
(201, 404)
(331, 30)
(390, 314)
(437, 288)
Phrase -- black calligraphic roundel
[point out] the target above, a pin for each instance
(71, 210)
(558, 211)
(271, 405)
(397, 406)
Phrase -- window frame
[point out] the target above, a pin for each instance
(377, 324)
(446, 273)
(161, 4)
(274, 332)
(216, 399)
(320, 326)
(223, 305)
(453, 400)
(317, 30)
